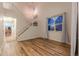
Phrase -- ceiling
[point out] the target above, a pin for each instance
(28, 9)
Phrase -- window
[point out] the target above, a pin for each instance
(55, 23)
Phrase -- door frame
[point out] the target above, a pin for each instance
(14, 19)
(73, 28)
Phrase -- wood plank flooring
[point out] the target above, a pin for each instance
(35, 47)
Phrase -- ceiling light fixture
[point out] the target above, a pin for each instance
(35, 12)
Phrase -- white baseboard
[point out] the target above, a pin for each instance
(27, 39)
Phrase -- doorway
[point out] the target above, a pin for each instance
(9, 29)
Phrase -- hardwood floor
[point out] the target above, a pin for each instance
(35, 47)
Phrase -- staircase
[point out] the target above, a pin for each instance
(25, 28)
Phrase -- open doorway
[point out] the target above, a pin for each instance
(9, 28)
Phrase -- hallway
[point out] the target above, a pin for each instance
(35, 47)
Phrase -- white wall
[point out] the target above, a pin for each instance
(73, 28)
(1, 32)
(22, 21)
(1, 29)
(31, 33)
(51, 9)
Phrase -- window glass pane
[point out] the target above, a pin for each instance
(50, 28)
(59, 27)
(51, 24)
(50, 21)
(59, 19)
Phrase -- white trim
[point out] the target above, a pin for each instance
(73, 28)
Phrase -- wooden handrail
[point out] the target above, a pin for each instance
(26, 28)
